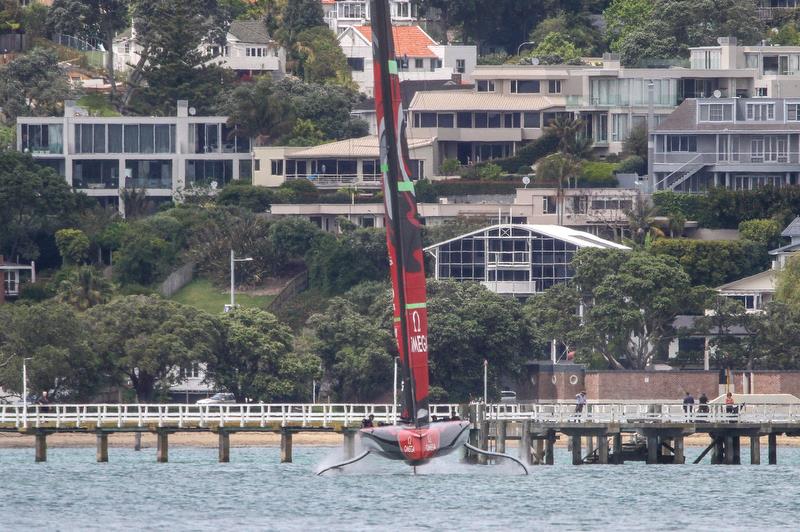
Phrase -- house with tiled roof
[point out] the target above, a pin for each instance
(419, 56)
(248, 50)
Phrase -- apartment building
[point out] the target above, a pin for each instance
(420, 57)
(248, 51)
(738, 143)
(343, 14)
(164, 156)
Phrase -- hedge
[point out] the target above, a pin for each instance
(598, 174)
(529, 154)
(431, 191)
(714, 263)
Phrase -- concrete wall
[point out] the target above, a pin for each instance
(177, 280)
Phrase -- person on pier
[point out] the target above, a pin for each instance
(688, 403)
(580, 402)
(703, 408)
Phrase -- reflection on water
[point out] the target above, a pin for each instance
(254, 491)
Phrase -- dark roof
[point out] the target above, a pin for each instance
(793, 229)
(785, 249)
(410, 87)
(250, 31)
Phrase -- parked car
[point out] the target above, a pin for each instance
(218, 399)
(508, 396)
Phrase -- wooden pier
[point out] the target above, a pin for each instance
(602, 434)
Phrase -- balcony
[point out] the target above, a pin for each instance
(574, 102)
(95, 183)
(336, 181)
(522, 288)
(144, 182)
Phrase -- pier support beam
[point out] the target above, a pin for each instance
(577, 457)
(772, 443)
(539, 456)
(500, 439)
(41, 446)
(548, 448)
(755, 450)
(652, 449)
(602, 449)
(524, 450)
(137, 441)
(349, 443)
(728, 449)
(224, 446)
(286, 446)
(483, 442)
(162, 447)
(617, 448)
(678, 454)
(718, 451)
(102, 447)
(737, 450)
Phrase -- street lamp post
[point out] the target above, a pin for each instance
(519, 48)
(233, 277)
(25, 392)
(485, 381)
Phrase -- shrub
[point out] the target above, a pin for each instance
(764, 232)
(73, 244)
(489, 172)
(632, 165)
(597, 174)
(530, 153)
(524, 170)
(430, 192)
(450, 167)
(713, 263)
(246, 196)
(35, 292)
(691, 206)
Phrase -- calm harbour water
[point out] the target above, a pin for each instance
(255, 492)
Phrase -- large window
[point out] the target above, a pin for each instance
(532, 120)
(464, 120)
(144, 138)
(43, 138)
(706, 59)
(484, 85)
(554, 86)
(356, 64)
(525, 86)
(716, 112)
(95, 174)
(793, 112)
(148, 174)
(90, 138)
(761, 111)
(205, 138)
(681, 143)
(202, 173)
(619, 127)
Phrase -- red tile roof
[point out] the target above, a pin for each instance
(409, 41)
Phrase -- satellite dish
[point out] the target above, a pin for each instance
(526, 181)
(534, 61)
(214, 185)
(192, 111)
(717, 94)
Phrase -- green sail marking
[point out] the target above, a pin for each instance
(412, 306)
(405, 186)
(392, 66)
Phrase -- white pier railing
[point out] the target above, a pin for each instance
(64, 416)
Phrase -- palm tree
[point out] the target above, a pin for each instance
(85, 288)
(571, 138)
(559, 168)
(641, 220)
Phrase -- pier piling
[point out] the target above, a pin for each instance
(539, 458)
(349, 443)
(755, 449)
(678, 453)
(577, 457)
(772, 443)
(653, 450)
(102, 447)
(162, 447)
(602, 449)
(524, 450)
(41, 446)
(617, 454)
(224, 446)
(729, 450)
(286, 446)
(500, 439)
(548, 450)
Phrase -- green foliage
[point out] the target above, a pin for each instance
(430, 191)
(489, 172)
(33, 85)
(598, 174)
(498, 58)
(298, 191)
(252, 198)
(450, 167)
(257, 362)
(636, 143)
(764, 232)
(35, 292)
(61, 361)
(144, 339)
(528, 154)
(73, 244)
(576, 27)
(691, 206)
(336, 264)
(557, 49)
(787, 286)
(298, 16)
(713, 263)
(8, 138)
(34, 201)
(624, 16)
(320, 58)
(10, 16)
(140, 260)
(305, 133)
(84, 288)
(258, 110)
(432, 234)
(787, 35)
(293, 237)
(632, 164)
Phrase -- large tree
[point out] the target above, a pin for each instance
(259, 111)
(33, 85)
(34, 200)
(298, 16)
(146, 340)
(256, 361)
(92, 19)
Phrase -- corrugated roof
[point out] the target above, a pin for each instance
(409, 41)
(354, 148)
(482, 101)
(410, 87)
(684, 118)
(581, 239)
(764, 281)
(250, 31)
(793, 229)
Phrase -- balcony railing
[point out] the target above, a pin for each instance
(511, 287)
(339, 180)
(766, 158)
(579, 101)
(144, 182)
(95, 184)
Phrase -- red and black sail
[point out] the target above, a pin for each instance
(403, 228)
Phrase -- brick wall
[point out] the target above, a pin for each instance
(649, 385)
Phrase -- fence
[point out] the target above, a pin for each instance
(177, 280)
(298, 284)
(13, 42)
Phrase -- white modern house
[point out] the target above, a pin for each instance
(514, 259)
(248, 50)
(342, 14)
(419, 56)
(165, 156)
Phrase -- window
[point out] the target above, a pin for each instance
(532, 120)
(368, 221)
(90, 138)
(464, 120)
(95, 174)
(760, 111)
(554, 86)
(511, 120)
(681, 143)
(481, 120)
(485, 85)
(493, 120)
(549, 205)
(148, 174)
(257, 165)
(356, 64)
(446, 120)
(525, 86)
(43, 138)
(461, 66)
(793, 112)
(619, 127)
(716, 112)
(428, 119)
(206, 172)
(419, 64)
(276, 167)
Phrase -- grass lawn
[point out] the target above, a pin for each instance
(201, 294)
